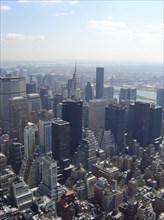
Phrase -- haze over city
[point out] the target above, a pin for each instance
(101, 30)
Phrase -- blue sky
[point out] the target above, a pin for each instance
(60, 29)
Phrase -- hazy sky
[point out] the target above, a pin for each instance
(110, 30)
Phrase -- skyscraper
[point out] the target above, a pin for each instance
(115, 121)
(45, 136)
(72, 113)
(97, 114)
(74, 91)
(128, 94)
(48, 185)
(18, 117)
(9, 87)
(160, 96)
(88, 92)
(155, 123)
(58, 98)
(99, 82)
(60, 139)
(141, 123)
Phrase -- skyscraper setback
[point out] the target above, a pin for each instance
(99, 82)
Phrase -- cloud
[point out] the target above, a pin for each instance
(74, 2)
(5, 8)
(106, 25)
(57, 14)
(22, 37)
(159, 26)
(23, 1)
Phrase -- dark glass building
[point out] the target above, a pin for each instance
(72, 113)
(115, 121)
(141, 123)
(30, 88)
(155, 123)
(99, 82)
(60, 139)
(88, 92)
(160, 97)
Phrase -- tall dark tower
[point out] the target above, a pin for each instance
(115, 121)
(88, 92)
(60, 139)
(160, 97)
(72, 113)
(155, 123)
(141, 123)
(99, 82)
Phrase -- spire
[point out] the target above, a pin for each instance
(75, 68)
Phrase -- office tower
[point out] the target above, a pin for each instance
(9, 87)
(141, 123)
(88, 92)
(109, 92)
(72, 113)
(58, 98)
(100, 185)
(21, 194)
(48, 185)
(160, 96)
(99, 82)
(30, 139)
(45, 136)
(86, 151)
(16, 156)
(46, 102)
(115, 121)
(108, 143)
(34, 102)
(43, 92)
(155, 123)
(18, 115)
(85, 114)
(73, 86)
(97, 115)
(60, 139)
(30, 88)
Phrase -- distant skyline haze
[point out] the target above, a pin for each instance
(101, 30)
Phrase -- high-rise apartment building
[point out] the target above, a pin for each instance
(45, 136)
(160, 96)
(128, 94)
(97, 115)
(60, 139)
(18, 117)
(115, 121)
(9, 87)
(99, 82)
(72, 113)
(109, 92)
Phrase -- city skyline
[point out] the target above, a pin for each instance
(105, 30)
